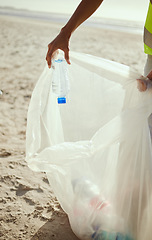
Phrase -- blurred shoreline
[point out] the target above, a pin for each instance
(101, 23)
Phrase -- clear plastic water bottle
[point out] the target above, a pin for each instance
(85, 188)
(88, 193)
(60, 79)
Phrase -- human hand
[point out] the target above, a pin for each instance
(141, 85)
(60, 42)
(144, 82)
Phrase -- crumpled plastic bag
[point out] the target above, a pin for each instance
(96, 148)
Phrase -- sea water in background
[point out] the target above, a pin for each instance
(115, 14)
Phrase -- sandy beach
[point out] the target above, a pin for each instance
(29, 209)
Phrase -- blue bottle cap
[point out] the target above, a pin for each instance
(61, 100)
(59, 60)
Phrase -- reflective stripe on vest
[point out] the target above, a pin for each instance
(148, 31)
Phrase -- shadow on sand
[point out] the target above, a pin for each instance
(57, 228)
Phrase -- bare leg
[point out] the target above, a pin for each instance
(147, 69)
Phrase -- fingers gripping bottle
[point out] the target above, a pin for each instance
(60, 79)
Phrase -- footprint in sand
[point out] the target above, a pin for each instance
(4, 153)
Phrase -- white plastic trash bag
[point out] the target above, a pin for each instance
(96, 148)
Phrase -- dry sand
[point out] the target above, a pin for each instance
(28, 208)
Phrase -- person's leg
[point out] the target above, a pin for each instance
(148, 65)
(147, 69)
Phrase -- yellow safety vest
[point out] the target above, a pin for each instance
(148, 31)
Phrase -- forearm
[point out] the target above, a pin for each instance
(85, 9)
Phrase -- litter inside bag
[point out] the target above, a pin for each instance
(96, 148)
